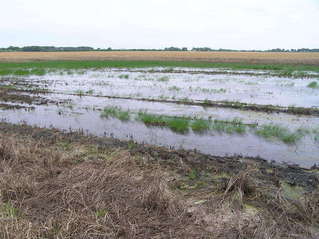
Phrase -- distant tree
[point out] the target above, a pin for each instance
(201, 49)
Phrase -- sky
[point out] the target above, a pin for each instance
(232, 24)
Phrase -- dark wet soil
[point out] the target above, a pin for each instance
(8, 95)
(15, 107)
(203, 164)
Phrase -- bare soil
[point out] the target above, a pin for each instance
(245, 57)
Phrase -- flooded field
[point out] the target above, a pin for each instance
(215, 111)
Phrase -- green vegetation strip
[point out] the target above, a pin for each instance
(43, 67)
(184, 124)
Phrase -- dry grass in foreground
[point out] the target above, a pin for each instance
(243, 57)
(55, 187)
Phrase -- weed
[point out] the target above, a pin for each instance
(101, 213)
(90, 92)
(185, 100)
(79, 92)
(125, 76)
(116, 112)
(206, 102)
(174, 88)
(193, 174)
(163, 79)
(207, 90)
(8, 210)
(179, 125)
(151, 119)
(229, 127)
(163, 97)
(200, 125)
(313, 85)
(276, 131)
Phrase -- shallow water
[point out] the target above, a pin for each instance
(257, 87)
(305, 153)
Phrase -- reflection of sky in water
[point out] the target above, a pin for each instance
(259, 89)
(305, 153)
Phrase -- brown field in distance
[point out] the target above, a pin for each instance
(244, 57)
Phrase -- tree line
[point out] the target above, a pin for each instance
(172, 48)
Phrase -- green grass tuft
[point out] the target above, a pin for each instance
(179, 125)
(229, 127)
(200, 125)
(79, 92)
(163, 79)
(151, 119)
(116, 112)
(313, 85)
(8, 210)
(126, 76)
(278, 132)
(174, 88)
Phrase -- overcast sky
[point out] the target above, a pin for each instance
(236, 24)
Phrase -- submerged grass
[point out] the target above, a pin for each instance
(283, 134)
(200, 125)
(151, 119)
(313, 85)
(125, 76)
(176, 124)
(174, 88)
(229, 127)
(116, 112)
(235, 126)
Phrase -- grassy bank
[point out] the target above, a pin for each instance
(40, 68)
(67, 185)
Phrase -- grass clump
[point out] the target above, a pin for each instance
(90, 92)
(200, 125)
(116, 112)
(229, 127)
(179, 125)
(313, 85)
(8, 210)
(163, 79)
(151, 119)
(174, 88)
(79, 92)
(101, 213)
(276, 131)
(125, 76)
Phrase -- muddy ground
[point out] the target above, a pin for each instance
(57, 184)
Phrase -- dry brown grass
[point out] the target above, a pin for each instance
(245, 57)
(50, 195)
(57, 189)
